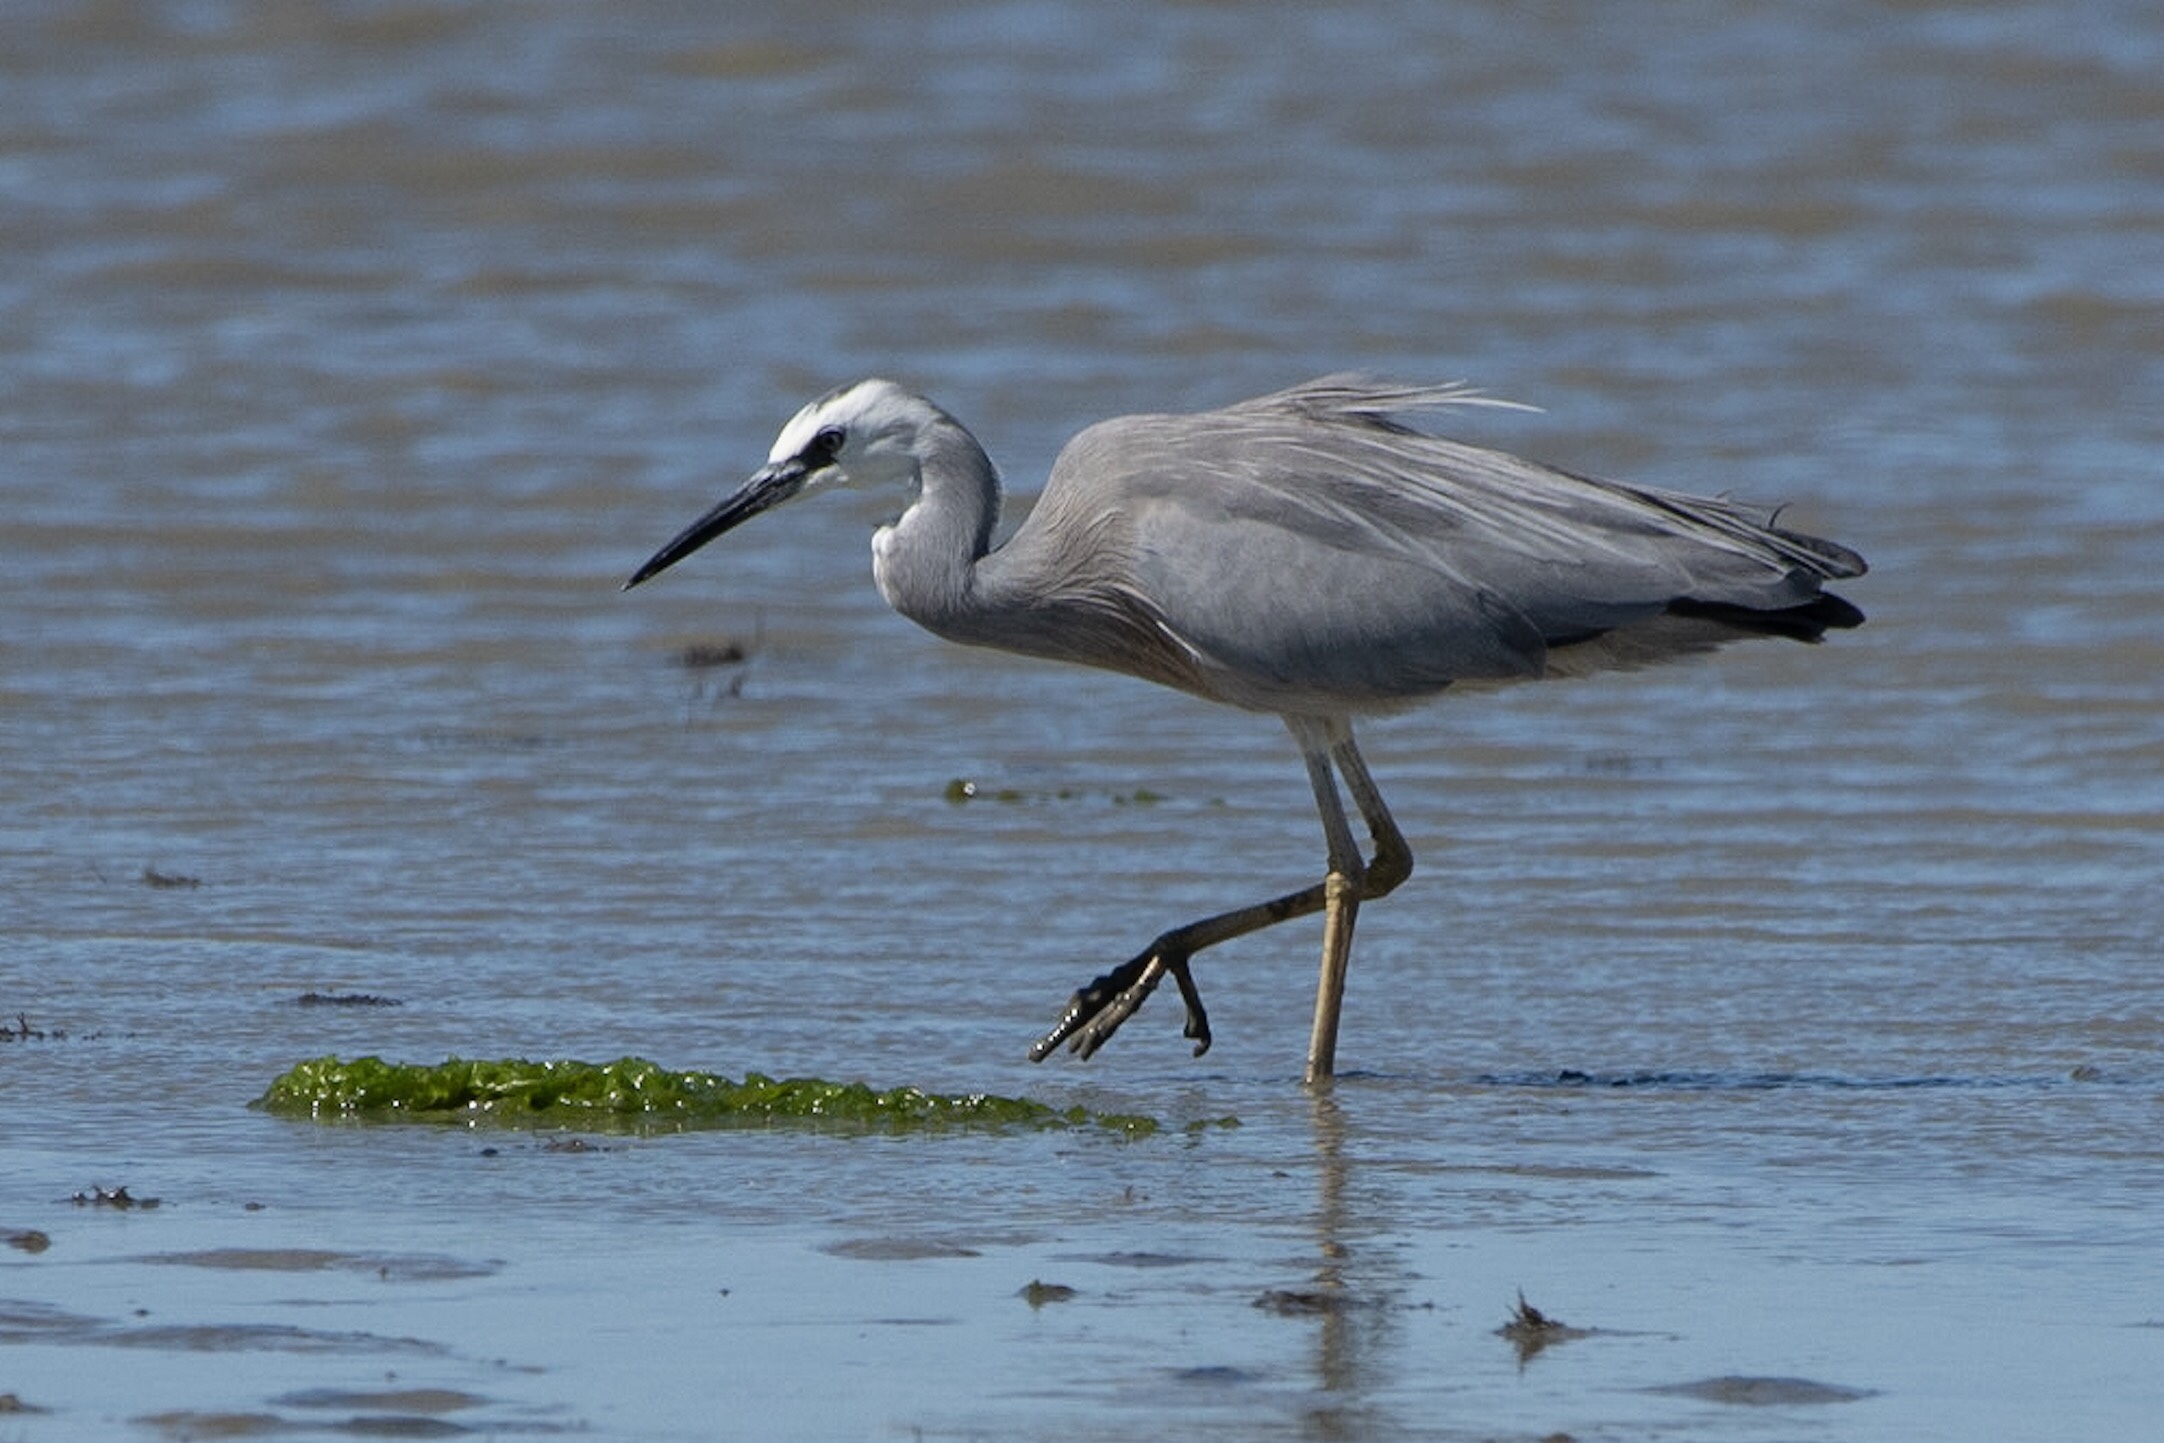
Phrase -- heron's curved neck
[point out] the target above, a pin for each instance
(922, 563)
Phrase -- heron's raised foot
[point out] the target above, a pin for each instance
(1096, 1011)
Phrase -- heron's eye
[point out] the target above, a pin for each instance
(825, 446)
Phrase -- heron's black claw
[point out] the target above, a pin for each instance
(1095, 1012)
(1086, 1003)
(1198, 1021)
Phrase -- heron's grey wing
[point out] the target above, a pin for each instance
(1539, 508)
(1318, 556)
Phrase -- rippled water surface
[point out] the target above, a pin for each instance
(1790, 1024)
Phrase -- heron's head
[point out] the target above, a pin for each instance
(869, 434)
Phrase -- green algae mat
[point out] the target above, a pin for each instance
(632, 1094)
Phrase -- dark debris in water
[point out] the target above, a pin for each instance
(1302, 1302)
(962, 789)
(21, 1030)
(701, 655)
(633, 1094)
(170, 881)
(345, 999)
(112, 1197)
(1763, 1392)
(574, 1145)
(1530, 1330)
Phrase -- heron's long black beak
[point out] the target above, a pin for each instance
(768, 487)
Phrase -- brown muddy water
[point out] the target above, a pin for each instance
(1789, 1027)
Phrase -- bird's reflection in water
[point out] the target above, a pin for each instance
(1354, 1292)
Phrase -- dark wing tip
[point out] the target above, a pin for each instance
(1809, 621)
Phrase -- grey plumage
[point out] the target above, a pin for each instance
(1304, 553)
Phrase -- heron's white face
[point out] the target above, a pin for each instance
(863, 435)
(870, 434)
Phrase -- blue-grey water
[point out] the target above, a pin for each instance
(1792, 1023)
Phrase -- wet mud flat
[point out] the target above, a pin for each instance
(1311, 1266)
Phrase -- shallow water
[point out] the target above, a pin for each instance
(1790, 1023)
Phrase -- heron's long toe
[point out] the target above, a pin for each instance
(1197, 1028)
(1096, 1011)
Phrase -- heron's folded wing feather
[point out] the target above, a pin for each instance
(1313, 542)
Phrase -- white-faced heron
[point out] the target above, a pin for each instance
(1302, 553)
